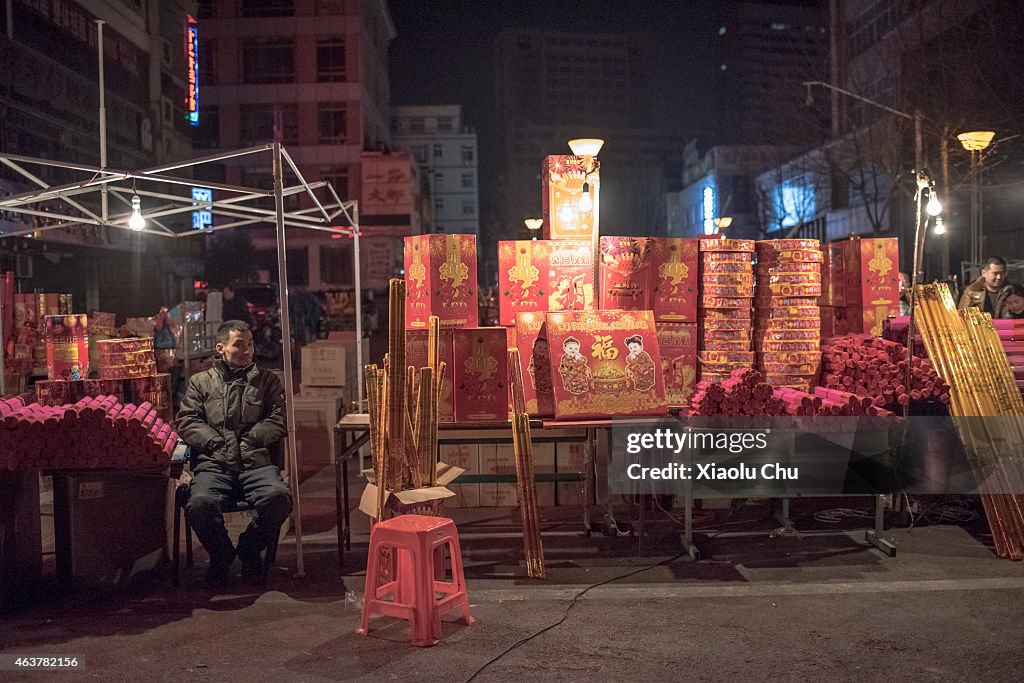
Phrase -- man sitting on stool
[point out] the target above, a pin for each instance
(232, 414)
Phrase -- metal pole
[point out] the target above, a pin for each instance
(975, 207)
(3, 351)
(359, 310)
(918, 242)
(10, 19)
(595, 240)
(286, 344)
(103, 118)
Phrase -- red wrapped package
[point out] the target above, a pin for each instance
(716, 244)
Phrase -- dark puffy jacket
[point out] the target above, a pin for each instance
(231, 417)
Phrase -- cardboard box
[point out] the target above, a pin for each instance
(480, 374)
(535, 363)
(562, 177)
(416, 356)
(543, 275)
(405, 502)
(323, 365)
(467, 457)
(315, 419)
(870, 282)
(605, 363)
(440, 275)
(626, 282)
(678, 346)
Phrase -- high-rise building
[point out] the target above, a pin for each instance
(312, 74)
(552, 86)
(49, 108)
(447, 151)
(766, 50)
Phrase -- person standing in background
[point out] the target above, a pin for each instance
(235, 306)
(989, 291)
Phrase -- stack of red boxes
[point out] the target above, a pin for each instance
(787, 330)
(727, 292)
(860, 285)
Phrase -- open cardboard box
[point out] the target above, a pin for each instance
(401, 501)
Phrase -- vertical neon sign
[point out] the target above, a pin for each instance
(709, 210)
(192, 56)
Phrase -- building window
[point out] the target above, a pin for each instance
(262, 123)
(419, 152)
(416, 125)
(467, 181)
(267, 8)
(467, 154)
(337, 176)
(438, 205)
(330, 60)
(438, 181)
(336, 264)
(332, 122)
(268, 61)
(438, 151)
(468, 207)
(444, 124)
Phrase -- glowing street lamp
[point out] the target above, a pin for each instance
(976, 142)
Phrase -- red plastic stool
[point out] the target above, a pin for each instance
(413, 587)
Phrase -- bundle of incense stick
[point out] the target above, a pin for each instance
(967, 354)
(523, 447)
(403, 406)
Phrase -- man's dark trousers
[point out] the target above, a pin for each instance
(264, 491)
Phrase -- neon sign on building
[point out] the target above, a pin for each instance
(192, 57)
(202, 219)
(709, 210)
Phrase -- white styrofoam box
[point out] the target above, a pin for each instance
(466, 456)
(504, 459)
(322, 393)
(571, 457)
(323, 365)
(488, 495)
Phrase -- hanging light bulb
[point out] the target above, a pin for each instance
(940, 227)
(586, 203)
(136, 222)
(934, 206)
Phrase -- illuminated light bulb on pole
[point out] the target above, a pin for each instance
(940, 226)
(136, 222)
(934, 206)
(586, 203)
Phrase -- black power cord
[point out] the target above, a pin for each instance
(568, 609)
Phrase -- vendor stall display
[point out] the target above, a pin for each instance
(1011, 335)
(92, 433)
(967, 352)
(441, 274)
(128, 357)
(605, 363)
(678, 345)
(417, 349)
(480, 374)
(743, 392)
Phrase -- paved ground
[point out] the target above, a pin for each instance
(821, 606)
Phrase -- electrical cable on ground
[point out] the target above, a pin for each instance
(568, 610)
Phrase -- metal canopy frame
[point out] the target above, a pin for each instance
(239, 204)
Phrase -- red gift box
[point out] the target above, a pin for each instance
(416, 356)
(677, 343)
(871, 282)
(440, 276)
(605, 363)
(675, 276)
(626, 273)
(535, 362)
(544, 275)
(481, 374)
(562, 178)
